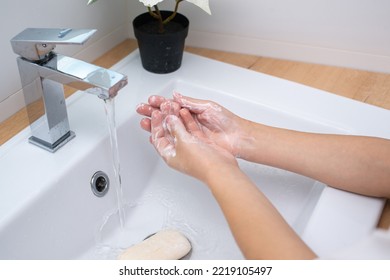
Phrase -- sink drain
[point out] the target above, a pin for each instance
(100, 183)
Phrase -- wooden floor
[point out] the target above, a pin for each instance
(364, 86)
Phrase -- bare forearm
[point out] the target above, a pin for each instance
(259, 229)
(353, 163)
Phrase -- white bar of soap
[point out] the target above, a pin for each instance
(164, 245)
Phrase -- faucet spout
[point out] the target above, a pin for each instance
(84, 76)
(43, 75)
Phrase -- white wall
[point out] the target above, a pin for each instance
(350, 33)
(109, 17)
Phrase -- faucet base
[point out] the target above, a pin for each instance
(52, 147)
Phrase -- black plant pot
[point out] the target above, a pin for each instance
(161, 52)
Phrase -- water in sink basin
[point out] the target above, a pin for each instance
(172, 200)
(51, 213)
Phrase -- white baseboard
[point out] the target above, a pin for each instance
(289, 51)
(15, 102)
(11, 105)
(104, 44)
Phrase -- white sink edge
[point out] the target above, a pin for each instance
(322, 219)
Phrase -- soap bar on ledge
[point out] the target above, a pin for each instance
(164, 245)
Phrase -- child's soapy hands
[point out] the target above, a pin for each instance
(217, 123)
(156, 103)
(183, 145)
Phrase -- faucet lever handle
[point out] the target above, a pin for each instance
(35, 43)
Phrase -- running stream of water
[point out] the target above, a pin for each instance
(110, 112)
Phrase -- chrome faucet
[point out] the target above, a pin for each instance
(43, 74)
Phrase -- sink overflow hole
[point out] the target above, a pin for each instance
(100, 183)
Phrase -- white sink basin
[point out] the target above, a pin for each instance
(48, 210)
